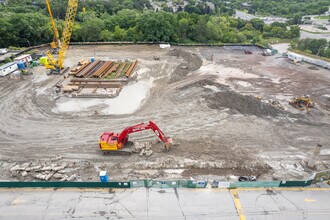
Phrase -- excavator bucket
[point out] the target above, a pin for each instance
(168, 144)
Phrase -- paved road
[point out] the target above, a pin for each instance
(304, 34)
(244, 16)
(180, 203)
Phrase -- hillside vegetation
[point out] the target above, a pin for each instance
(24, 23)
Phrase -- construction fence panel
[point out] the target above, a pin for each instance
(138, 183)
(255, 184)
(293, 183)
(196, 184)
(162, 184)
(183, 183)
(65, 185)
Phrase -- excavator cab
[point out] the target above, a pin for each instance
(109, 141)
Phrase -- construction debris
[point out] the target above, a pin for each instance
(72, 177)
(276, 104)
(143, 148)
(45, 171)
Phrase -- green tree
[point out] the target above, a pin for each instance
(91, 29)
(294, 32)
(157, 26)
(257, 24)
(119, 34)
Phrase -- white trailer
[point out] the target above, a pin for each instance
(8, 68)
(25, 58)
(295, 57)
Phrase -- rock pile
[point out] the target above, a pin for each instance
(143, 148)
(44, 171)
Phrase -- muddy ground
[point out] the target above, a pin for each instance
(212, 101)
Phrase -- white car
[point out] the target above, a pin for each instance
(3, 51)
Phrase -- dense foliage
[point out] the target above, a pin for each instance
(284, 8)
(24, 23)
(318, 47)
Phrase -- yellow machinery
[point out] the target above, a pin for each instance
(56, 44)
(63, 45)
(303, 102)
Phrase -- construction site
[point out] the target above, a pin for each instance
(225, 114)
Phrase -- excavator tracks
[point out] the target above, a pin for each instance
(117, 152)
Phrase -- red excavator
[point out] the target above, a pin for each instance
(111, 142)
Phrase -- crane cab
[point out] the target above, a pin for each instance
(108, 142)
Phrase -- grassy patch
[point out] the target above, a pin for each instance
(323, 17)
(315, 32)
(274, 40)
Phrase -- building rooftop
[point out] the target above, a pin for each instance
(7, 65)
(22, 56)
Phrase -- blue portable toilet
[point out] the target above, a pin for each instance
(21, 65)
(92, 59)
(103, 176)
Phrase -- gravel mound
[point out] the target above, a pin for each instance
(247, 105)
(192, 62)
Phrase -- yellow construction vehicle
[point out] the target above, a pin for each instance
(302, 103)
(57, 65)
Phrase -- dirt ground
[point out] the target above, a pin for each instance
(212, 101)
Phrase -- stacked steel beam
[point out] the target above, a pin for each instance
(80, 69)
(86, 71)
(95, 68)
(104, 68)
(112, 69)
(131, 68)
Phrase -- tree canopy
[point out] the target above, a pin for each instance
(107, 21)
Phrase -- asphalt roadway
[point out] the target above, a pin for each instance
(142, 203)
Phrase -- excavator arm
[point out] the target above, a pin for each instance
(123, 136)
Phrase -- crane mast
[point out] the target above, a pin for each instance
(57, 65)
(56, 44)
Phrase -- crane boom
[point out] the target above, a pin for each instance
(70, 16)
(67, 32)
(56, 43)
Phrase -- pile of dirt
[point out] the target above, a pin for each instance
(246, 105)
(192, 62)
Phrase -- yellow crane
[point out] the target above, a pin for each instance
(56, 44)
(63, 44)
